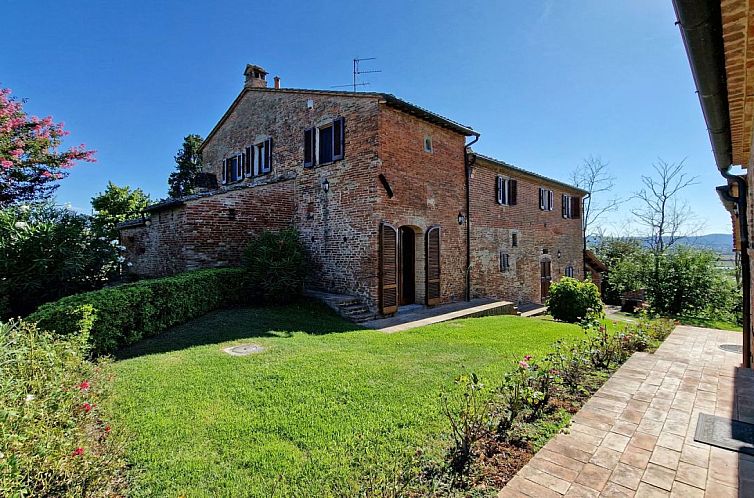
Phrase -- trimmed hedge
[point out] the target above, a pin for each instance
(125, 314)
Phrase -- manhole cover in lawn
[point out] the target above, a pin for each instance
(244, 349)
(732, 348)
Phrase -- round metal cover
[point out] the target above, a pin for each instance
(732, 348)
(244, 349)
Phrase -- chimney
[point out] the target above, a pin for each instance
(255, 77)
(277, 82)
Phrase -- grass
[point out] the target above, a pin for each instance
(709, 323)
(323, 410)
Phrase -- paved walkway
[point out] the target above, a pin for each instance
(635, 437)
(418, 316)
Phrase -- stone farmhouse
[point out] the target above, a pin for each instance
(391, 202)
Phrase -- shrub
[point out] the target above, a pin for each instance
(47, 253)
(569, 299)
(54, 437)
(470, 421)
(570, 361)
(125, 314)
(276, 265)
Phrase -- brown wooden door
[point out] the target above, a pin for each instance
(388, 269)
(433, 266)
(407, 267)
(545, 279)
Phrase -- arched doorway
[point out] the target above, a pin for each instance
(411, 266)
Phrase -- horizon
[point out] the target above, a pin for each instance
(546, 84)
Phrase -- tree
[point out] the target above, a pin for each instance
(30, 163)
(661, 212)
(188, 163)
(116, 204)
(592, 175)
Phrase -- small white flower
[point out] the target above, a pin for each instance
(102, 238)
(121, 259)
(114, 242)
(29, 397)
(129, 264)
(25, 208)
(121, 248)
(21, 225)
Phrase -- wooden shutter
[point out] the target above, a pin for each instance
(433, 266)
(239, 166)
(541, 198)
(388, 269)
(551, 205)
(309, 148)
(267, 164)
(499, 189)
(514, 192)
(338, 137)
(576, 207)
(249, 161)
(564, 208)
(225, 171)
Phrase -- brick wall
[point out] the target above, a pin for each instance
(492, 225)
(429, 190)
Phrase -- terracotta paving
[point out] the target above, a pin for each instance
(635, 437)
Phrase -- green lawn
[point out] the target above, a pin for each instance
(324, 409)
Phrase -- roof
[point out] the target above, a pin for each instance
(594, 262)
(387, 98)
(503, 164)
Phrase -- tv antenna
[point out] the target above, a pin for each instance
(357, 71)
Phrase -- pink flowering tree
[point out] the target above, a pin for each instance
(31, 161)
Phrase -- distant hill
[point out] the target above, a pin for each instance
(718, 242)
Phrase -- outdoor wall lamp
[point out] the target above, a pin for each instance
(461, 218)
(326, 185)
(559, 254)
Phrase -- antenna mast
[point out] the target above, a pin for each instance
(357, 71)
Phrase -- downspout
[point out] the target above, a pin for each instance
(700, 23)
(741, 205)
(468, 160)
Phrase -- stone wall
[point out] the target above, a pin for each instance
(541, 235)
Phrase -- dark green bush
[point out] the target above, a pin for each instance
(276, 265)
(127, 313)
(570, 299)
(54, 436)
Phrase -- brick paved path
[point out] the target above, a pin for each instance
(635, 437)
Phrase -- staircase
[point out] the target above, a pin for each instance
(531, 309)
(351, 308)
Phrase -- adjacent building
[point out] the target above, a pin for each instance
(390, 200)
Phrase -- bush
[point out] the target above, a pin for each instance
(125, 314)
(570, 299)
(47, 253)
(54, 438)
(276, 265)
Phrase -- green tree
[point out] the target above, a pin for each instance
(117, 204)
(188, 163)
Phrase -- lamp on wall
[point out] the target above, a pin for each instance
(326, 185)
(461, 218)
(559, 254)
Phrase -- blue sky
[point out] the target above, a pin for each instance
(547, 83)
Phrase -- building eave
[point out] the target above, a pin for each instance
(506, 166)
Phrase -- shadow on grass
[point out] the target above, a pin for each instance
(242, 323)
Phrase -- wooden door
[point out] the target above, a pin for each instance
(433, 266)
(388, 269)
(545, 279)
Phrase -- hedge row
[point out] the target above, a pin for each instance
(122, 315)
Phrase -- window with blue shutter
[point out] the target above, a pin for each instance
(324, 144)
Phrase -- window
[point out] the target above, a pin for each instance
(569, 271)
(324, 144)
(571, 206)
(507, 191)
(505, 262)
(233, 168)
(546, 199)
(428, 144)
(514, 239)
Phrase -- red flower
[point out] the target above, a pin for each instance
(107, 429)
(84, 386)
(78, 451)
(86, 407)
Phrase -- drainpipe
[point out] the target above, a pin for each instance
(468, 160)
(741, 205)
